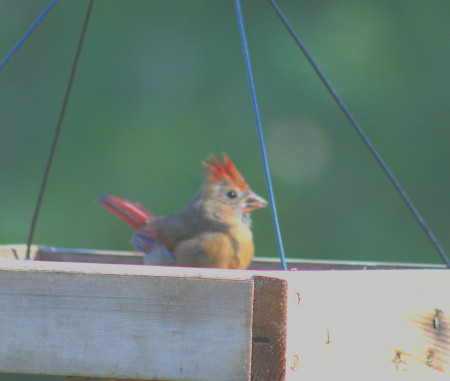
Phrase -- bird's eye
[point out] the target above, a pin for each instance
(231, 194)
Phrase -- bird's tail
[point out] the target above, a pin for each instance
(133, 213)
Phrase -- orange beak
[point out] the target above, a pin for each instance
(253, 202)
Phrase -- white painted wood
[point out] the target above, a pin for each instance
(124, 321)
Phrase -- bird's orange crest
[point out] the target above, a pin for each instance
(224, 172)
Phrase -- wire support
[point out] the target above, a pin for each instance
(362, 134)
(260, 134)
(27, 34)
(58, 128)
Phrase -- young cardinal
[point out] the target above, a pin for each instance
(212, 230)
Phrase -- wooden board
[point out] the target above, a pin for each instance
(269, 329)
(368, 325)
(123, 321)
(48, 253)
(304, 325)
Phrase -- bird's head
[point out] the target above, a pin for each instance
(226, 186)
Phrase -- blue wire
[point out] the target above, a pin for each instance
(260, 134)
(27, 34)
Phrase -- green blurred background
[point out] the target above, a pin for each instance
(161, 85)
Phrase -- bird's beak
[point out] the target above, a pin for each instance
(253, 202)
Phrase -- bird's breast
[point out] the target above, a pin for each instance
(242, 242)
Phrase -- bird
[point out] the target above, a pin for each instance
(212, 230)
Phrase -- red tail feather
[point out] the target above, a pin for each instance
(133, 213)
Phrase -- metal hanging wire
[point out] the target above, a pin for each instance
(262, 144)
(58, 128)
(246, 54)
(362, 134)
(27, 34)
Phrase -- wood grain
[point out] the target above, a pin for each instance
(79, 319)
(269, 329)
(354, 325)
(369, 325)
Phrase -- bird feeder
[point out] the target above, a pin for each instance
(89, 314)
